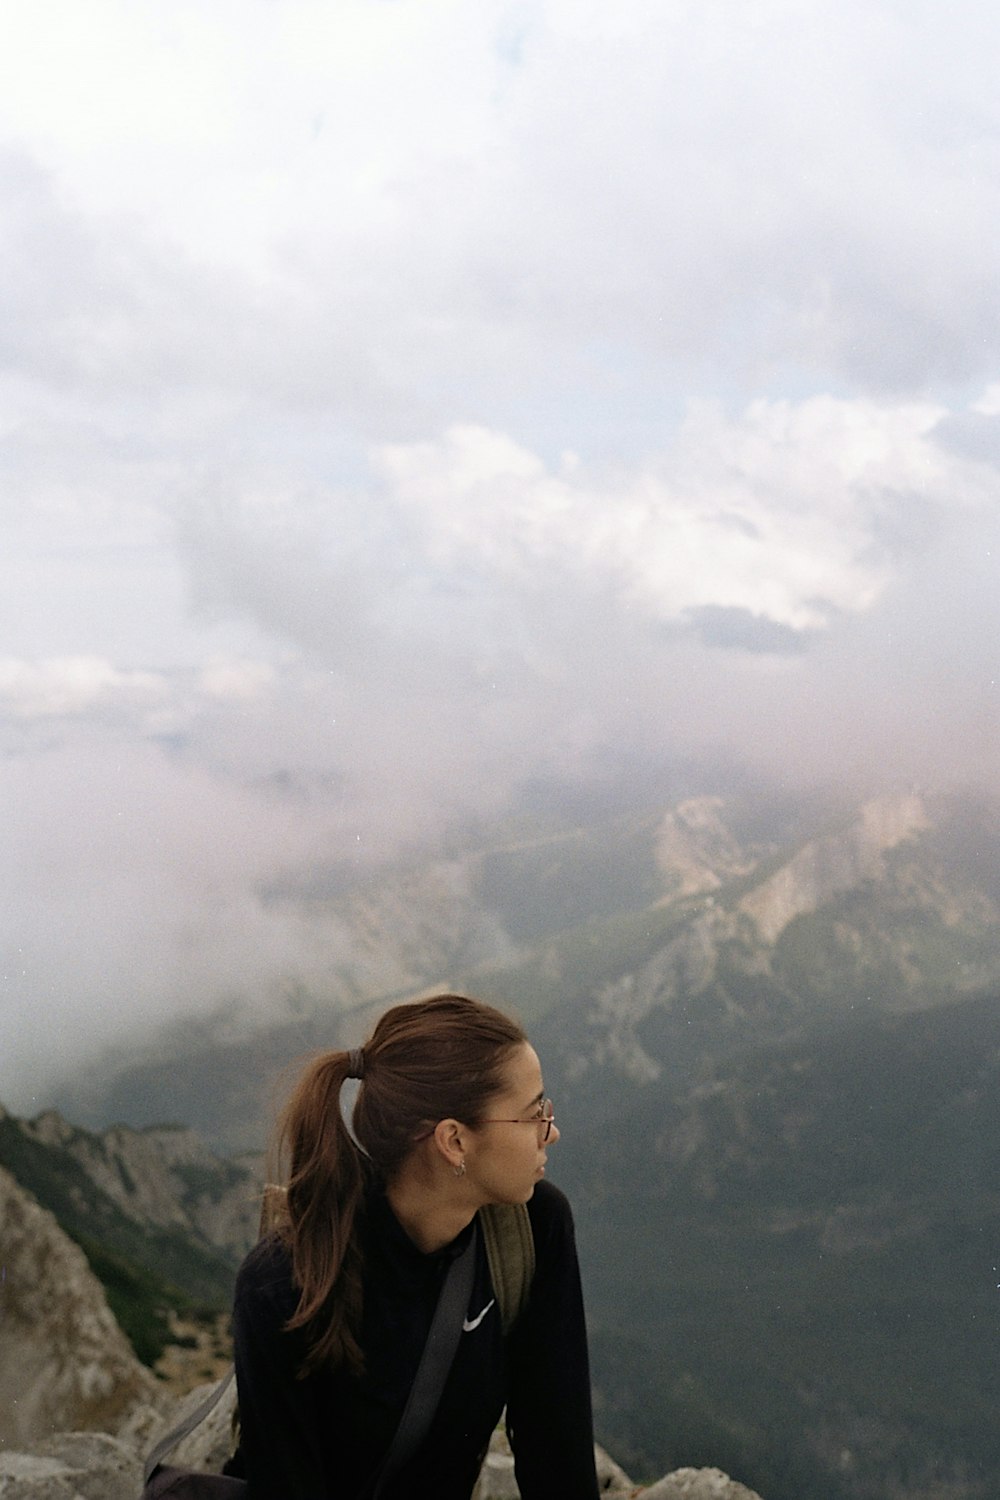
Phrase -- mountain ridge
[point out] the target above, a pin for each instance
(698, 902)
(162, 1221)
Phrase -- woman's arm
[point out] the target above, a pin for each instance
(548, 1405)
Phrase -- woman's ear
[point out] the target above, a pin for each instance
(450, 1140)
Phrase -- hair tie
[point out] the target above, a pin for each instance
(356, 1063)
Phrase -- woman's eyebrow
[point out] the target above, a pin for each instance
(533, 1103)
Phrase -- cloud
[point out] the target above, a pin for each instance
(132, 888)
(476, 616)
(396, 211)
(229, 680)
(68, 685)
(774, 512)
(404, 405)
(741, 630)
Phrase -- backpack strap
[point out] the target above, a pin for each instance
(510, 1250)
(177, 1434)
(435, 1363)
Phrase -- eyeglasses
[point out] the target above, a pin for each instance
(543, 1120)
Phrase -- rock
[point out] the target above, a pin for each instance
(64, 1362)
(696, 850)
(72, 1466)
(97, 1466)
(834, 863)
(496, 1477)
(698, 1484)
(497, 1482)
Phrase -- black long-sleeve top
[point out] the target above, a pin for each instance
(322, 1437)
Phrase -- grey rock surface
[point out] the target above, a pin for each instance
(72, 1466)
(64, 1362)
(164, 1175)
(698, 1484)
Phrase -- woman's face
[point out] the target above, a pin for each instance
(507, 1154)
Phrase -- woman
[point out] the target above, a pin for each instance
(332, 1312)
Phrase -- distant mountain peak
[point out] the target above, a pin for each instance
(834, 862)
(696, 849)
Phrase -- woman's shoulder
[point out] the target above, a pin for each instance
(548, 1202)
(550, 1214)
(266, 1273)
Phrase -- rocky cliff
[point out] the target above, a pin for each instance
(163, 1176)
(64, 1361)
(836, 862)
(162, 1221)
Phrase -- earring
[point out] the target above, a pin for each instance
(459, 1171)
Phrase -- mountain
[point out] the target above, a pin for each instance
(771, 1030)
(64, 1362)
(811, 1245)
(585, 922)
(884, 908)
(162, 1221)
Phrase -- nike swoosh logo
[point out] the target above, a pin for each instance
(469, 1325)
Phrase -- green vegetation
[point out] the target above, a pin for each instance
(139, 1299)
(811, 1299)
(539, 886)
(207, 1182)
(582, 960)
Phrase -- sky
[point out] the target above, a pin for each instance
(405, 401)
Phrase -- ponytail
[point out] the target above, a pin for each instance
(327, 1176)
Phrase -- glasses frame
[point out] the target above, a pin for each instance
(543, 1122)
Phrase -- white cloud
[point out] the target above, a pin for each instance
(231, 680)
(771, 512)
(988, 404)
(70, 685)
(131, 884)
(367, 195)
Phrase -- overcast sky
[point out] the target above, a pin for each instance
(400, 399)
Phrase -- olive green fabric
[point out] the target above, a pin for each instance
(510, 1249)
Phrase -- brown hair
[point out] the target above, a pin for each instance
(426, 1060)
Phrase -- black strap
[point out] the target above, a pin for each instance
(435, 1362)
